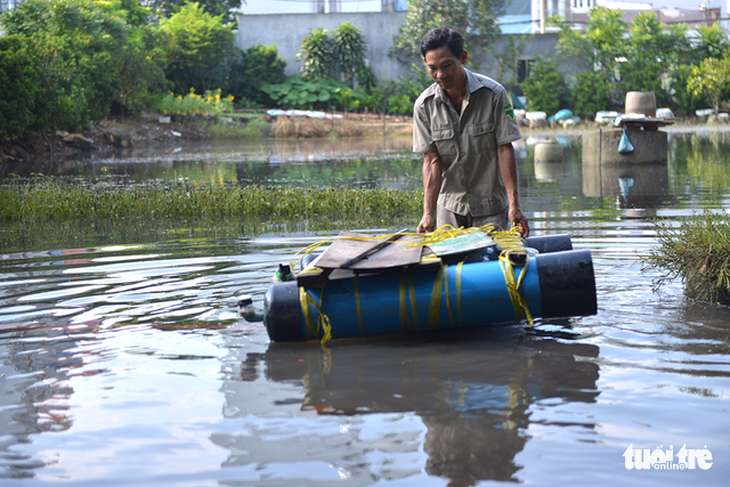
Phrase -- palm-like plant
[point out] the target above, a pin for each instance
(316, 55)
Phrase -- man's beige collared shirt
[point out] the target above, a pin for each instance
(467, 143)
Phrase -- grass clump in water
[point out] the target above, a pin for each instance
(51, 199)
(698, 251)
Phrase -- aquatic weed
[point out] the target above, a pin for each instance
(47, 198)
(698, 252)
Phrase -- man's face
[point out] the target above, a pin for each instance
(446, 69)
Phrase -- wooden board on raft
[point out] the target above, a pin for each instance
(397, 253)
(373, 254)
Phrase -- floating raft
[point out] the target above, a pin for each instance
(365, 285)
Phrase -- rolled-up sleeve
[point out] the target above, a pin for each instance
(507, 129)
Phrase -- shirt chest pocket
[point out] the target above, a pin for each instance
(482, 137)
(445, 143)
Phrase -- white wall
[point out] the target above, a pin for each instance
(287, 31)
(257, 7)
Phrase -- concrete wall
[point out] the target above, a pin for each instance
(287, 31)
(542, 45)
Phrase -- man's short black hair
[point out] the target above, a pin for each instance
(443, 37)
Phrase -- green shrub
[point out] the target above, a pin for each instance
(544, 88)
(87, 57)
(590, 94)
(254, 67)
(314, 94)
(641, 73)
(685, 102)
(21, 97)
(195, 48)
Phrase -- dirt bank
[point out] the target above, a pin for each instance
(101, 136)
(150, 130)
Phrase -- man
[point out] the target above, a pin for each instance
(464, 125)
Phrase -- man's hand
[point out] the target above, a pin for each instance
(519, 220)
(508, 171)
(427, 224)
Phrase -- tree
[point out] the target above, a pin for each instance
(196, 48)
(606, 33)
(710, 77)
(322, 56)
(590, 94)
(22, 99)
(603, 42)
(350, 45)
(712, 41)
(256, 66)
(544, 88)
(80, 47)
(222, 8)
(654, 52)
(684, 100)
(316, 55)
(475, 19)
(644, 73)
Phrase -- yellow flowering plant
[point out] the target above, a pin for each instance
(210, 103)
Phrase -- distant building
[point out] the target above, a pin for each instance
(9, 4)
(691, 12)
(271, 7)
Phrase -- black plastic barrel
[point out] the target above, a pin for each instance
(546, 244)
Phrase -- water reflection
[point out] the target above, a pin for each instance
(304, 160)
(35, 397)
(473, 392)
(633, 185)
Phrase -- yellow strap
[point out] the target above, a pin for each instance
(458, 291)
(323, 321)
(304, 304)
(513, 286)
(405, 319)
(445, 270)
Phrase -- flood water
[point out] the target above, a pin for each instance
(125, 362)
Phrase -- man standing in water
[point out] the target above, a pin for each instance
(464, 125)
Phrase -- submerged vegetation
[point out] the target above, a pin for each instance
(698, 252)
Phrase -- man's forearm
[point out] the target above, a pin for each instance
(431, 188)
(431, 184)
(508, 171)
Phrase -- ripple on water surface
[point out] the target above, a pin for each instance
(129, 365)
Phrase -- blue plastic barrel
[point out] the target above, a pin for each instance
(558, 284)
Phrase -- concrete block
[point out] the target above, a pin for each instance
(601, 147)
